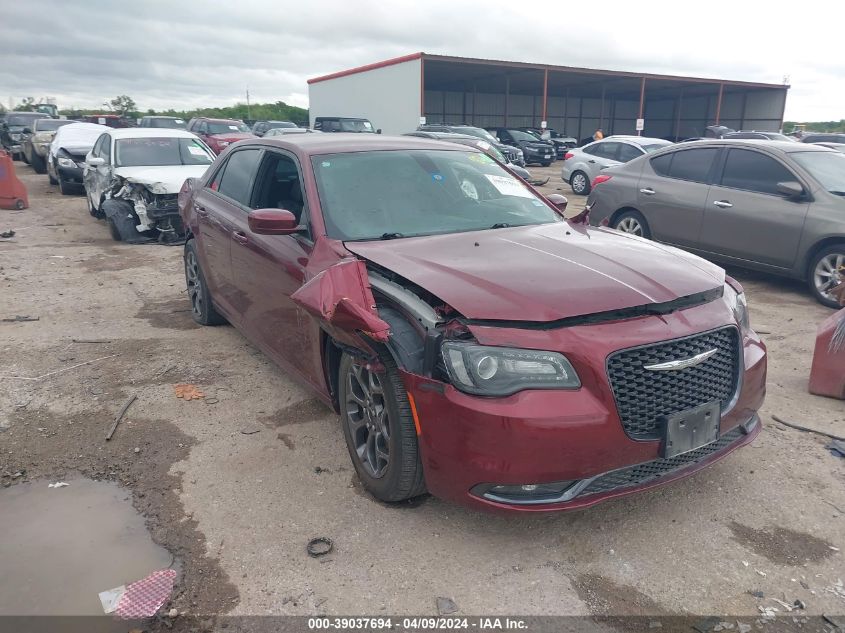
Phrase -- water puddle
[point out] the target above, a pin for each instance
(60, 547)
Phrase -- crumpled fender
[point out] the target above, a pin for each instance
(340, 297)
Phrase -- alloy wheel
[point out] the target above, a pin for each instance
(192, 276)
(630, 225)
(829, 272)
(367, 417)
(579, 183)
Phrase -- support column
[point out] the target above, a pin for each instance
(742, 116)
(422, 86)
(601, 109)
(719, 103)
(642, 103)
(545, 93)
(678, 114)
(507, 98)
(474, 95)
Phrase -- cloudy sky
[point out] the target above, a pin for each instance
(188, 53)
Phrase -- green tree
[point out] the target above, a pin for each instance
(123, 104)
(25, 105)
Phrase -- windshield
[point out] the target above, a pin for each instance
(775, 136)
(226, 128)
(479, 132)
(136, 152)
(173, 124)
(394, 194)
(49, 125)
(519, 135)
(22, 119)
(535, 134)
(355, 125)
(826, 167)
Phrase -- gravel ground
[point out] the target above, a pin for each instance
(235, 484)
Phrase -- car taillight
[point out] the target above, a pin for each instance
(568, 155)
(600, 179)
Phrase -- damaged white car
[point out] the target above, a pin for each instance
(133, 175)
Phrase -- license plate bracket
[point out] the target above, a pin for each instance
(688, 430)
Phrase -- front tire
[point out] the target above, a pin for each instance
(38, 164)
(826, 271)
(580, 183)
(379, 429)
(50, 176)
(632, 222)
(65, 187)
(202, 306)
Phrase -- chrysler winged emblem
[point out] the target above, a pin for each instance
(682, 363)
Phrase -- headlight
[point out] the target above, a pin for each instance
(739, 306)
(501, 371)
(15, 136)
(66, 162)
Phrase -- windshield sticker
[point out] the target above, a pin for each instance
(326, 163)
(233, 127)
(179, 121)
(484, 159)
(508, 186)
(196, 151)
(437, 177)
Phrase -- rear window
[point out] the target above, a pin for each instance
(50, 125)
(237, 175)
(22, 119)
(232, 127)
(692, 164)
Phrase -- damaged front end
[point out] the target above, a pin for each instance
(142, 212)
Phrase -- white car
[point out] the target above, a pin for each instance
(582, 164)
(133, 175)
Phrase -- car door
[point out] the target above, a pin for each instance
(100, 176)
(270, 268)
(672, 193)
(600, 156)
(219, 206)
(745, 217)
(89, 173)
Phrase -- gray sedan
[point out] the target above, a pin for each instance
(774, 206)
(582, 165)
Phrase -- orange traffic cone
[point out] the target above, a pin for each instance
(12, 191)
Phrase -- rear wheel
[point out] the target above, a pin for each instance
(379, 430)
(580, 183)
(202, 307)
(826, 271)
(632, 222)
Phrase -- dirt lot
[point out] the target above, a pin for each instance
(235, 484)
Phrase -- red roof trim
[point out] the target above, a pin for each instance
(363, 69)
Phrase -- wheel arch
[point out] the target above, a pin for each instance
(815, 249)
(615, 215)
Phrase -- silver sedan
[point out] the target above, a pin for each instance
(582, 164)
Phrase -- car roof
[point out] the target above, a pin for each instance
(149, 132)
(787, 147)
(161, 116)
(448, 136)
(318, 144)
(205, 118)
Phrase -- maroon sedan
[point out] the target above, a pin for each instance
(219, 133)
(474, 342)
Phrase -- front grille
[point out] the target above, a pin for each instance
(643, 473)
(643, 396)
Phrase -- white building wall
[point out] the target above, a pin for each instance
(388, 96)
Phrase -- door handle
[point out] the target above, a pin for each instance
(647, 191)
(591, 161)
(722, 204)
(240, 237)
(200, 210)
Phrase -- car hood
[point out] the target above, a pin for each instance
(233, 137)
(161, 180)
(543, 273)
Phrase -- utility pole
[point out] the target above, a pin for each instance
(248, 114)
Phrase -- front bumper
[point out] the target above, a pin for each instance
(469, 443)
(70, 174)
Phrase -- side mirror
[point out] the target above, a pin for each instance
(790, 189)
(95, 161)
(272, 222)
(378, 131)
(27, 130)
(558, 200)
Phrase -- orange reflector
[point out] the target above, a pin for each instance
(414, 413)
